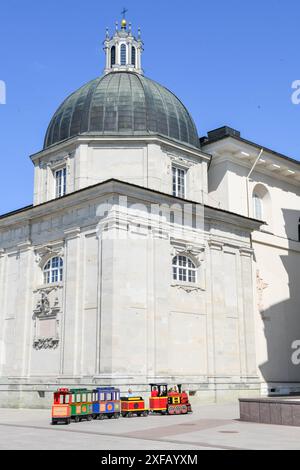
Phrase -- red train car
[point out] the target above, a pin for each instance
(171, 401)
(133, 406)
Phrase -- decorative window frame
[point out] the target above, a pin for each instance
(178, 168)
(54, 165)
(183, 163)
(197, 255)
(43, 255)
(63, 181)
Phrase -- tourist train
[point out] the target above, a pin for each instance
(106, 402)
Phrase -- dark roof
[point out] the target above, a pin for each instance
(17, 211)
(226, 131)
(122, 103)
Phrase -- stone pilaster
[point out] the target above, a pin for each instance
(246, 255)
(71, 338)
(216, 322)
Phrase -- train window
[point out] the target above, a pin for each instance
(89, 397)
(67, 399)
(78, 398)
(84, 397)
(184, 269)
(61, 399)
(108, 397)
(102, 396)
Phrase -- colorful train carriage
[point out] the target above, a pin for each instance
(74, 404)
(106, 403)
(81, 404)
(133, 406)
(169, 401)
(61, 410)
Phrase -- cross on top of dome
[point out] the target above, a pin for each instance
(123, 50)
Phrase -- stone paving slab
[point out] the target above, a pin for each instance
(209, 427)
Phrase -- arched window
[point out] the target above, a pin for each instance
(184, 269)
(113, 56)
(133, 56)
(123, 54)
(53, 271)
(257, 206)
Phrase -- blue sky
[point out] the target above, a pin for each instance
(230, 62)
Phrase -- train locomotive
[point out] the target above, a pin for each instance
(169, 401)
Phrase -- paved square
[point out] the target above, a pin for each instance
(209, 427)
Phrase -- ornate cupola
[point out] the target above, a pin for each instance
(123, 50)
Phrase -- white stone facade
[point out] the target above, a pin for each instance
(118, 317)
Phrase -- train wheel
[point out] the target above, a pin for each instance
(77, 419)
(184, 410)
(171, 410)
(116, 416)
(101, 417)
(124, 415)
(178, 410)
(95, 416)
(90, 417)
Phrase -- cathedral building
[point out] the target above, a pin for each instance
(149, 254)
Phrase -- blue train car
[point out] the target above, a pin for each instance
(106, 403)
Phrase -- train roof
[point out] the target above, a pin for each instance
(108, 389)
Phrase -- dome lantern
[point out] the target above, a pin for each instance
(123, 50)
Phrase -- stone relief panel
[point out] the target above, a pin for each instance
(46, 317)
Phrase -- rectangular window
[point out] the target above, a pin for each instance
(61, 182)
(179, 179)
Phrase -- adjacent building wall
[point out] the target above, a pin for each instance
(277, 254)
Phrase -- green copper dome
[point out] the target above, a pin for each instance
(122, 104)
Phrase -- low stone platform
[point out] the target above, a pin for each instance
(275, 410)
